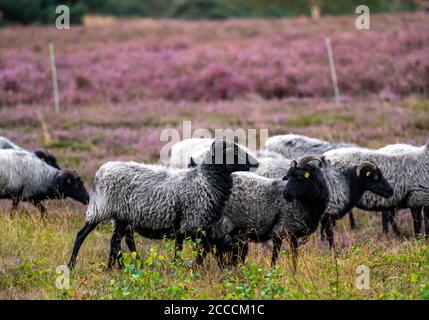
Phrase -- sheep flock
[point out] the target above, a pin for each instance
(225, 195)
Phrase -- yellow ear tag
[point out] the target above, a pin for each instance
(306, 175)
(368, 173)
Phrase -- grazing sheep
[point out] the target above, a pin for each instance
(261, 209)
(294, 146)
(388, 216)
(407, 172)
(40, 153)
(25, 177)
(245, 219)
(160, 202)
(346, 187)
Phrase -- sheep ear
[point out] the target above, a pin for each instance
(284, 178)
(325, 162)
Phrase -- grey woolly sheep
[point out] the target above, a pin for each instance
(294, 146)
(40, 153)
(388, 216)
(261, 209)
(161, 202)
(346, 187)
(25, 177)
(254, 204)
(407, 172)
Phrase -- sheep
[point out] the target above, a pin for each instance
(388, 216)
(406, 171)
(262, 209)
(160, 202)
(254, 204)
(40, 153)
(294, 146)
(25, 177)
(346, 187)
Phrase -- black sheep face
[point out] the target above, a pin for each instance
(230, 156)
(303, 183)
(374, 181)
(47, 157)
(69, 184)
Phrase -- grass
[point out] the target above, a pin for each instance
(32, 249)
(318, 118)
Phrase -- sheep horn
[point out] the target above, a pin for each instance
(294, 164)
(306, 160)
(365, 164)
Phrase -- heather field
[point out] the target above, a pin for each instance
(123, 81)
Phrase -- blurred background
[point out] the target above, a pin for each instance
(30, 11)
(128, 69)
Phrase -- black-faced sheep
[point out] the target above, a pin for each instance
(295, 146)
(25, 177)
(407, 172)
(261, 209)
(160, 202)
(255, 203)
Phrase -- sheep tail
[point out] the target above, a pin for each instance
(96, 211)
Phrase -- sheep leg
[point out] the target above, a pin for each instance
(80, 237)
(417, 220)
(277, 244)
(14, 208)
(115, 244)
(352, 220)
(323, 226)
(179, 244)
(41, 208)
(330, 232)
(392, 214)
(129, 239)
(294, 252)
(385, 222)
(426, 217)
